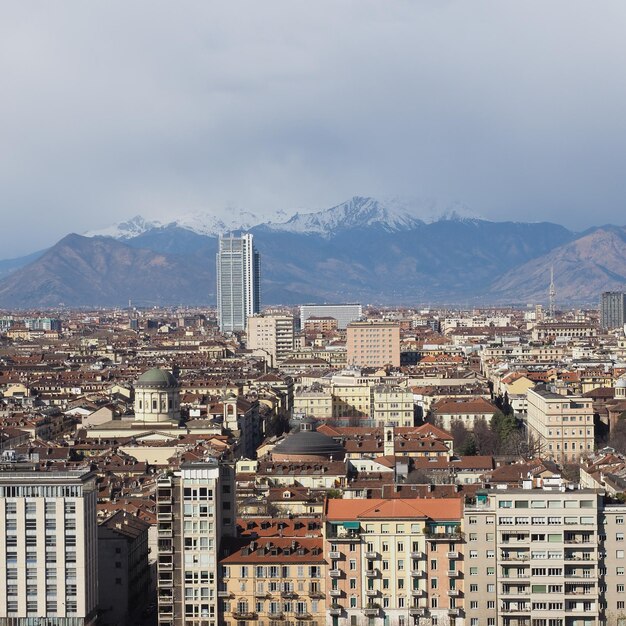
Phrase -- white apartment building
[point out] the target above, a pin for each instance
(195, 509)
(48, 547)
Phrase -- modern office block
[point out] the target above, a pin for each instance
(48, 547)
(238, 282)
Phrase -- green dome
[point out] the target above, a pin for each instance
(157, 378)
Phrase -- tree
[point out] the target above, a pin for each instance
(617, 439)
(486, 439)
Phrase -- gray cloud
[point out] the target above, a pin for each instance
(110, 109)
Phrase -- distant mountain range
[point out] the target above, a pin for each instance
(361, 250)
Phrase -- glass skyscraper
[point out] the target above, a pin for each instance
(238, 282)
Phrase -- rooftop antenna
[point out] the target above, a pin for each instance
(552, 293)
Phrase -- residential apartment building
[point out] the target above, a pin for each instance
(123, 569)
(612, 310)
(275, 580)
(536, 557)
(313, 401)
(238, 282)
(373, 344)
(48, 547)
(561, 426)
(195, 510)
(343, 313)
(392, 406)
(465, 410)
(394, 561)
(271, 336)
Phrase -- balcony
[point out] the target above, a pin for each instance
(335, 573)
(453, 555)
(433, 535)
(288, 594)
(454, 593)
(335, 610)
(315, 594)
(334, 554)
(303, 615)
(418, 593)
(371, 555)
(454, 612)
(245, 615)
(371, 609)
(223, 593)
(371, 593)
(417, 611)
(335, 593)
(371, 573)
(166, 567)
(454, 573)
(276, 615)
(508, 556)
(418, 555)
(516, 609)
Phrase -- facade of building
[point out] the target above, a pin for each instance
(392, 406)
(271, 335)
(373, 344)
(48, 547)
(123, 569)
(275, 579)
(612, 308)
(343, 313)
(536, 557)
(394, 562)
(561, 426)
(238, 282)
(195, 510)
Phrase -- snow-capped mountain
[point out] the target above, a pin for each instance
(391, 214)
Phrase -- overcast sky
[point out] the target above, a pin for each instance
(110, 109)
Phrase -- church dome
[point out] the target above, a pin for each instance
(308, 445)
(157, 378)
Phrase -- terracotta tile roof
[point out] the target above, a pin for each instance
(416, 508)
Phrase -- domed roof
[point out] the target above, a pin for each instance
(621, 383)
(309, 443)
(157, 378)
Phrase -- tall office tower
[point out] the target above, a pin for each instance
(238, 282)
(48, 547)
(612, 308)
(272, 335)
(195, 509)
(343, 313)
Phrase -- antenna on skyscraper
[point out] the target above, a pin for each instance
(552, 294)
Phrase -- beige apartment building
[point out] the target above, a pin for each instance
(535, 557)
(48, 547)
(271, 335)
(394, 562)
(561, 425)
(373, 344)
(313, 401)
(275, 580)
(392, 406)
